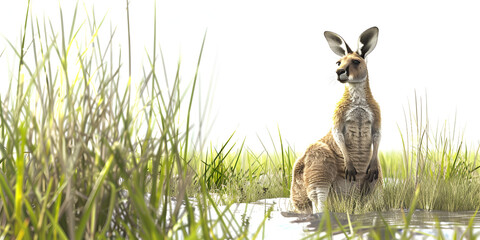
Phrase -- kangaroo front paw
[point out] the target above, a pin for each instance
(372, 172)
(350, 172)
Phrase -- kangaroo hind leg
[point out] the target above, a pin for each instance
(320, 172)
(298, 192)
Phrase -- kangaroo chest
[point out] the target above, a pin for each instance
(358, 130)
(358, 120)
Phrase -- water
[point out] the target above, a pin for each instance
(425, 224)
(283, 223)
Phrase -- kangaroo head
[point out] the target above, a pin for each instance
(352, 67)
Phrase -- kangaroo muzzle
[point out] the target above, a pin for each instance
(342, 75)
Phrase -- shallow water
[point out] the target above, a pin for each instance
(283, 223)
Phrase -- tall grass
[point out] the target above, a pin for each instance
(437, 151)
(85, 154)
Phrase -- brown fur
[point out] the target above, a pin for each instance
(346, 159)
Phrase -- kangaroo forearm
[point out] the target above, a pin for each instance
(340, 141)
(375, 142)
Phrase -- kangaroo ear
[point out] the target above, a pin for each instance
(367, 41)
(337, 44)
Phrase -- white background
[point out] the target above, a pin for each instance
(271, 66)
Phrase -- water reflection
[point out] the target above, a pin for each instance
(423, 224)
(283, 223)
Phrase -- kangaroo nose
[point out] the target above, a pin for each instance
(340, 71)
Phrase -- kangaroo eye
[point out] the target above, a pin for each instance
(356, 61)
(338, 63)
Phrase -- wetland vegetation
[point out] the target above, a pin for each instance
(89, 153)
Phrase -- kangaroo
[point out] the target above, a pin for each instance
(346, 159)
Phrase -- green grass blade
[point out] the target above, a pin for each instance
(111, 205)
(191, 97)
(91, 199)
